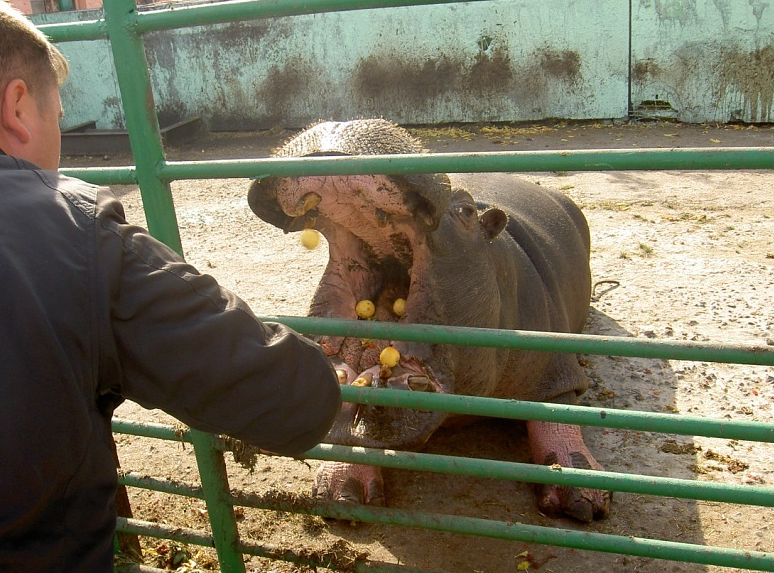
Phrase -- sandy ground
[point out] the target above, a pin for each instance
(693, 256)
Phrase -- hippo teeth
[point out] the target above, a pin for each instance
(303, 215)
(342, 376)
(365, 379)
(306, 204)
(420, 384)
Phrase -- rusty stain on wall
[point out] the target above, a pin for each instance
(490, 72)
(527, 82)
(564, 65)
(644, 70)
(752, 75)
(295, 79)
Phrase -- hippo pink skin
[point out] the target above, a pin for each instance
(481, 250)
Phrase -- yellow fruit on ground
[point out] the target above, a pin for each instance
(389, 356)
(310, 238)
(365, 309)
(399, 306)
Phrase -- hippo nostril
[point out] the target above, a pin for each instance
(420, 384)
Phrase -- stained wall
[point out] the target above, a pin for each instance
(503, 60)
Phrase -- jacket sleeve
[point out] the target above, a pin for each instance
(175, 340)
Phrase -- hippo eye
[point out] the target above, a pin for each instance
(466, 211)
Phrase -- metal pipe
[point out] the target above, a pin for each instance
(505, 161)
(75, 31)
(181, 534)
(212, 471)
(187, 535)
(531, 473)
(152, 430)
(564, 414)
(103, 175)
(631, 483)
(586, 540)
(546, 341)
(186, 16)
(141, 120)
(172, 487)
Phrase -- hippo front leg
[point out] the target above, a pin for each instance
(356, 483)
(563, 444)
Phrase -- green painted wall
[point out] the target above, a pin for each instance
(507, 60)
(712, 60)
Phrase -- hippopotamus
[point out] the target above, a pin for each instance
(477, 250)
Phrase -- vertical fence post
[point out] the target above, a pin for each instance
(145, 138)
(142, 123)
(212, 471)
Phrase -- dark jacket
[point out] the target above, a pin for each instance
(95, 310)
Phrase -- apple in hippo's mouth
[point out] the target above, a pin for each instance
(377, 253)
(377, 228)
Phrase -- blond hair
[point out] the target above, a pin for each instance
(26, 54)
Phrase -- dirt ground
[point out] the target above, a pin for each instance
(693, 256)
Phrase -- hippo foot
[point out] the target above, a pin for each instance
(562, 444)
(354, 483)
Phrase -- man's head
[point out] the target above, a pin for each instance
(31, 71)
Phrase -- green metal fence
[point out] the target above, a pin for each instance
(124, 26)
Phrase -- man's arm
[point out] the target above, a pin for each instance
(177, 341)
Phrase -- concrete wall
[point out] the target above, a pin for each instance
(507, 60)
(712, 60)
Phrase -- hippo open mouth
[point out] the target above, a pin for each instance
(377, 229)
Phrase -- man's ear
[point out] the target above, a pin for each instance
(14, 107)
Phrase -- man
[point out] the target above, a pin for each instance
(93, 311)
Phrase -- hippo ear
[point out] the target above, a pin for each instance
(493, 221)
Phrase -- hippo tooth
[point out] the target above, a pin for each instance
(306, 204)
(366, 379)
(420, 384)
(342, 376)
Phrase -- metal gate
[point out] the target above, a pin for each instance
(124, 27)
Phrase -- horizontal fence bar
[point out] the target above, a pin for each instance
(586, 540)
(312, 558)
(152, 430)
(687, 425)
(186, 16)
(189, 16)
(502, 161)
(75, 31)
(174, 533)
(133, 479)
(103, 175)
(748, 430)
(497, 161)
(762, 354)
(475, 467)
(532, 473)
